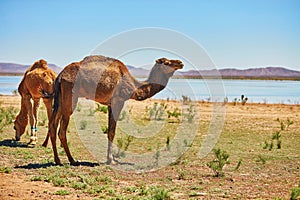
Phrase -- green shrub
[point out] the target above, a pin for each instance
(157, 111)
(295, 194)
(83, 125)
(103, 109)
(7, 115)
(221, 159)
(62, 192)
(160, 194)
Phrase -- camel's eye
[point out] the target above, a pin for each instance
(15, 128)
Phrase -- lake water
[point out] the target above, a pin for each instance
(258, 91)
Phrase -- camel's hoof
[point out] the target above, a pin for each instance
(33, 140)
(75, 163)
(44, 145)
(57, 162)
(112, 162)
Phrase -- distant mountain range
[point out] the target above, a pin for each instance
(13, 68)
(252, 73)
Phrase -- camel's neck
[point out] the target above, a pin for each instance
(156, 82)
(22, 117)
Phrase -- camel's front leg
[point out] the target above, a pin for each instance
(33, 136)
(113, 116)
(29, 108)
(48, 104)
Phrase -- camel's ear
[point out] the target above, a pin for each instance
(43, 62)
(159, 61)
(165, 61)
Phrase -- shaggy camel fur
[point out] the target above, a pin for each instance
(37, 83)
(107, 81)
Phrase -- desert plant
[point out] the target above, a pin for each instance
(235, 100)
(62, 192)
(185, 99)
(261, 159)
(78, 107)
(103, 109)
(238, 164)
(83, 124)
(7, 115)
(123, 144)
(168, 143)
(244, 99)
(225, 101)
(175, 113)
(284, 125)
(104, 129)
(91, 112)
(217, 164)
(123, 116)
(157, 111)
(160, 194)
(191, 112)
(295, 193)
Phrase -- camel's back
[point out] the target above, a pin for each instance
(93, 73)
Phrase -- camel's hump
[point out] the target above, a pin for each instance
(98, 60)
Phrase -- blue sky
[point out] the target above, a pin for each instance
(240, 34)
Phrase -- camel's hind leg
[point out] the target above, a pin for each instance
(67, 110)
(54, 120)
(63, 138)
(48, 104)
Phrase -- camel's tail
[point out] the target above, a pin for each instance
(57, 93)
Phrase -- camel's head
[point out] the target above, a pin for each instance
(169, 66)
(39, 64)
(19, 128)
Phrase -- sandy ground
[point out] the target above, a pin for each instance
(261, 117)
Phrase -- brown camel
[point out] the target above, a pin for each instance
(37, 83)
(107, 81)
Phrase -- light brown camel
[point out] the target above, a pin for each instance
(107, 81)
(37, 83)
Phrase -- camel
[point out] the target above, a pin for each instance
(37, 83)
(106, 81)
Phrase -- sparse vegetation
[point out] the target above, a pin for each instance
(284, 125)
(62, 192)
(157, 111)
(217, 164)
(258, 170)
(103, 109)
(295, 193)
(78, 107)
(7, 115)
(83, 125)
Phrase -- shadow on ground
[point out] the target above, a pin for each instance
(13, 143)
(45, 165)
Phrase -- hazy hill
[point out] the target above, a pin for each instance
(263, 72)
(13, 68)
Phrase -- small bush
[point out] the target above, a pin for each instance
(104, 129)
(83, 125)
(160, 194)
(295, 194)
(219, 162)
(78, 107)
(284, 125)
(238, 164)
(7, 115)
(157, 111)
(6, 170)
(62, 192)
(103, 109)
